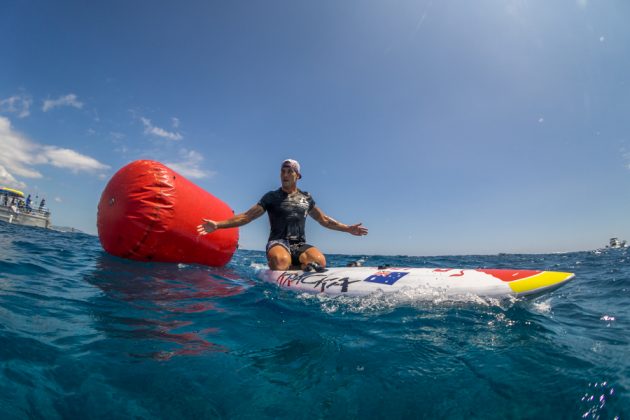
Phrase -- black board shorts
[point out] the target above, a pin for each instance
(295, 249)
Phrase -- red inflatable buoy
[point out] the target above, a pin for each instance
(149, 212)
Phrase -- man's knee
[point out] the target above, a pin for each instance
(278, 259)
(313, 255)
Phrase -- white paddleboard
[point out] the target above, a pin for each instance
(361, 281)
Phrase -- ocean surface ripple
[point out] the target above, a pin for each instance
(87, 335)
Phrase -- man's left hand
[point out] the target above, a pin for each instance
(357, 230)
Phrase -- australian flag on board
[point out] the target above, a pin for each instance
(386, 277)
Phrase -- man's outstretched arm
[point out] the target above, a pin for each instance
(209, 226)
(330, 223)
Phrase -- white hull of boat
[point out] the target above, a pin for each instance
(25, 219)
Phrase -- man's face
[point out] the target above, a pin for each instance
(288, 176)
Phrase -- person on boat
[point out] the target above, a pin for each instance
(287, 207)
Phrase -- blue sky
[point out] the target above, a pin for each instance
(446, 127)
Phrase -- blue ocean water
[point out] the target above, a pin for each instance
(87, 335)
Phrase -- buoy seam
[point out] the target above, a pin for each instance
(161, 184)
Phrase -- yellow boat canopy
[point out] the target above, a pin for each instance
(11, 192)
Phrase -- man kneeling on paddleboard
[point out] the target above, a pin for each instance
(288, 207)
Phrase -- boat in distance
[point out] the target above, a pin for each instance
(16, 209)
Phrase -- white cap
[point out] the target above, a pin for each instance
(293, 164)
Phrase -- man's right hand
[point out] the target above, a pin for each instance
(208, 226)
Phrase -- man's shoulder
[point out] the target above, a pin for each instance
(271, 195)
(308, 197)
(280, 194)
(306, 194)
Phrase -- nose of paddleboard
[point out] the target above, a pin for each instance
(543, 281)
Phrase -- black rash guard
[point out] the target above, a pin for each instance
(287, 214)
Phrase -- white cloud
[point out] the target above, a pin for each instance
(68, 100)
(17, 104)
(19, 156)
(17, 153)
(175, 122)
(149, 128)
(189, 165)
(66, 158)
(7, 179)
